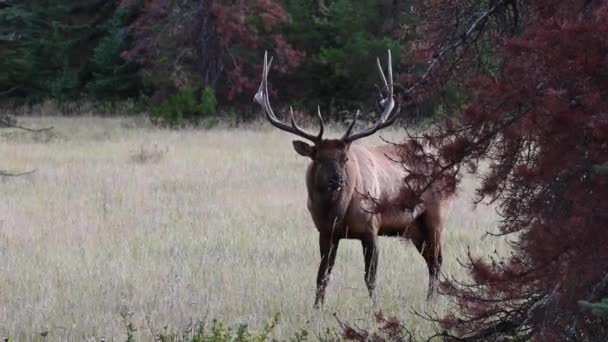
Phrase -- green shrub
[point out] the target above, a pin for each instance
(218, 332)
(208, 101)
(185, 108)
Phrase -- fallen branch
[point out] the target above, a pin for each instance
(4, 173)
(7, 122)
(7, 92)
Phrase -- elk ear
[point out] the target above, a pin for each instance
(303, 148)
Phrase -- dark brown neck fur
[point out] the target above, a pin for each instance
(328, 209)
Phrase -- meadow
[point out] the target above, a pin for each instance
(168, 227)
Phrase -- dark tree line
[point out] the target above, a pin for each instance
(155, 49)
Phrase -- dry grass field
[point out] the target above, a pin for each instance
(178, 226)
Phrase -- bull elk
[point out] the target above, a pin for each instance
(341, 178)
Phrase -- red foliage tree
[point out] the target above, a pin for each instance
(241, 39)
(188, 41)
(539, 114)
(542, 121)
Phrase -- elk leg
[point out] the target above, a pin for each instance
(434, 226)
(370, 253)
(328, 248)
(427, 242)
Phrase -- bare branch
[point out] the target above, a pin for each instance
(4, 173)
(7, 92)
(461, 40)
(7, 122)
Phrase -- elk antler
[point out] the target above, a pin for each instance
(386, 104)
(261, 97)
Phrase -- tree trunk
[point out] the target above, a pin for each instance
(209, 54)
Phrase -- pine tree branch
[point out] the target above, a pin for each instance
(601, 169)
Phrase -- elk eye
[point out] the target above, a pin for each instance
(344, 160)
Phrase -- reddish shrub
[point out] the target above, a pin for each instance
(539, 112)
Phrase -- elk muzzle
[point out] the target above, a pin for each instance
(330, 178)
(336, 184)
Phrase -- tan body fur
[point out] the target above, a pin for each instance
(372, 172)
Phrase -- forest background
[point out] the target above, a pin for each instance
(186, 60)
(523, 86)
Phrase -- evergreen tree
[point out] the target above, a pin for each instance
(342, 39)
(43, 37)
(47, 45)
(113, 76)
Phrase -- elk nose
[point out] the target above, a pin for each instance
(336, 184)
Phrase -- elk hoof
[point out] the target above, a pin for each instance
(318, 303)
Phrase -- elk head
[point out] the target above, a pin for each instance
(330, 157)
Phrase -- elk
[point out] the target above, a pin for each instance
(343, 176)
